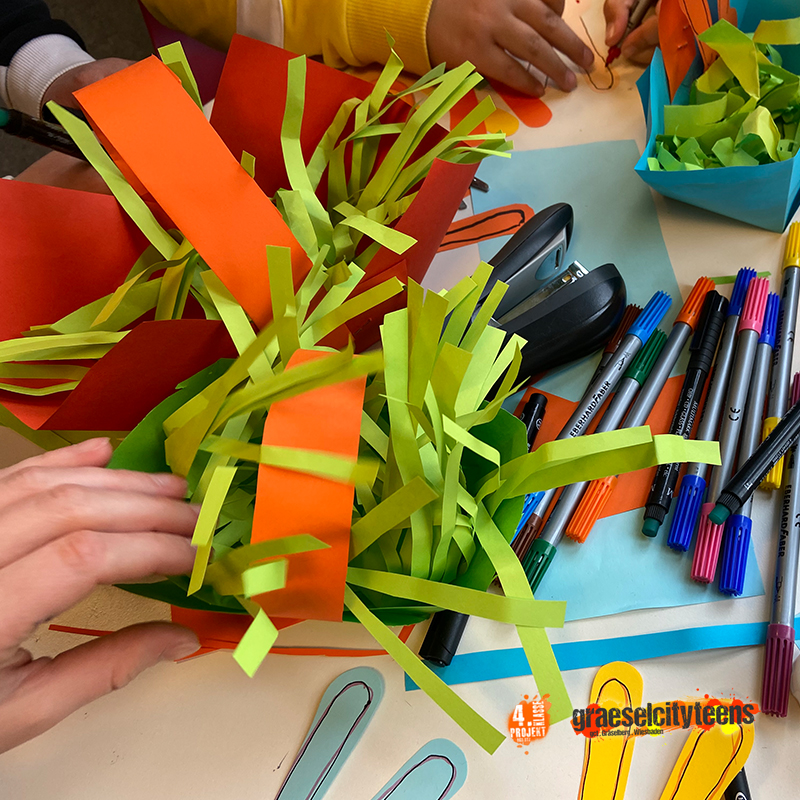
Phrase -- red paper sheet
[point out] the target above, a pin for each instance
(289, 503)
(163, 138)
(61, 249)
(130, 380)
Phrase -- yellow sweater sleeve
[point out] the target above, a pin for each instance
(343, 32)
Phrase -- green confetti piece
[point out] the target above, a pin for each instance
(174, 57)
(255, 644)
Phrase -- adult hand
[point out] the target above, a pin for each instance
(641, 43)
(66, 172)
(61, 89)
(485, 33)
(68, 525)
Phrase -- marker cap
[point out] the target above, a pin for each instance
(777, 670)
(774, 477)
(770, 328)
(443, 637)
(537, 561)
(791, 257)
(523, 539)
(687, 509)
(743, 278)
(532, 415)
(706, 335)
(755, 303)
(644, 325)
(590, 508)
(531, 501)
(641, 365)
(706, 550)
(735, 546)
(690, 313)
(628, 316)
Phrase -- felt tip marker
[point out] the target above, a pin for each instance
(709, 535)
(741, 486)
(685, 323)
(693, 485)
(784, 349)
(604, 384)
(637, 13)
(543, 550)
(702, 350)
(628, 316)
(37, 131)
(779, 650)
(738, 788)
(738, 527)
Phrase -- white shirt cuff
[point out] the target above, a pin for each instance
(36, 65)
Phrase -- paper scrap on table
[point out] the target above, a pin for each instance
(607, 759)
(510, 662)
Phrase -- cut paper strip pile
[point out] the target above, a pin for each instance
(740, 115)
(406, 503)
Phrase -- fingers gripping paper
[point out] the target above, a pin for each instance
(186, 167)
(289, 502)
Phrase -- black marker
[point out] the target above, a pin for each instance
(37, 131)
(702, 348)
(740, 488)
(738, 788)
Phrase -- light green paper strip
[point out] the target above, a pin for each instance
(737, 50)
(778, 31)
(255, 644)
(510, 610)
(207, 522)
(254, 580)
(456, 432)
(488, 737)
(393, 240)
(389, 514)
(134, 206)
(174, 57)
(313, 462)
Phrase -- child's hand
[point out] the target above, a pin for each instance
(68, 525)
(640, 45)
(65, 172)
(61, 89)
(482, 32)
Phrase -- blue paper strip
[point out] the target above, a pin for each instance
(492, 665)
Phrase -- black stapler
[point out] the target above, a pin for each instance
(561, 309)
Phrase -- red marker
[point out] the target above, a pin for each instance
(638, 10)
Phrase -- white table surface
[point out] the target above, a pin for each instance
(203, 730)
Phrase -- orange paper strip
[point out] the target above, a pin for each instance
(162, 137)
(677, 42)
(288, 503)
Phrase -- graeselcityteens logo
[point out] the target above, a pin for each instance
(657, 718)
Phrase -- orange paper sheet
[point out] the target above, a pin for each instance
(162, 137)
(290, 503)
(632, 489)
(503, 221)
(677, 38)
(531, 111)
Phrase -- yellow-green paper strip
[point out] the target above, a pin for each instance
(207, 521)
(488, 737)
(255, 644)
(511, 610)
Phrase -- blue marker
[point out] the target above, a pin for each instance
(693, 486)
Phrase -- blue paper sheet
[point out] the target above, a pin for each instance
(648, 574)
(495, 664)
(615, 221)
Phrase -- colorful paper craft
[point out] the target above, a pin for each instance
(531, 111)
(345, 711)
(477, 228)
(607, 759)
(435, 772)
(709, 761)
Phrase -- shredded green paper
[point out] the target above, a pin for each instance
(743, 110)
